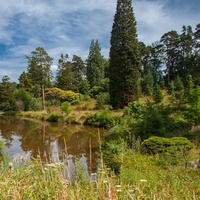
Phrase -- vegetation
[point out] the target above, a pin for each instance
(151, 115)
(141, 176)
(125, 60)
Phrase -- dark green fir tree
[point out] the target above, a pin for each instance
(125, 59)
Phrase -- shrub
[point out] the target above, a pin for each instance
(103, 119)
(61, 95)
(66, 107)
(169, 151)
(159, 145)
(53, 117)
(102, 99)
(96, 90)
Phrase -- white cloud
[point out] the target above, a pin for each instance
(68, 26)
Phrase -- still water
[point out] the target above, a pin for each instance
(52, 141)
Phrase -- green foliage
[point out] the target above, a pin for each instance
(170, 150)
(22, 100)
(81, 176)
(66, 107)
(159, 145)
(147, 84)
(103, 119)
(111, 152)
(135, 109)
(53, 117)
(96, 90)
(102, 99)
(65, 75)
(6, 94)
(194, 111)
(95, 64)
(7, 106)
(189, 85)
(39, 67)
(79, 71)
(1, 146)
(157, 95)
(125, 59)
(25, 101)
(84, 87)
(53, 102)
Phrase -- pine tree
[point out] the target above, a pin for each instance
(78, 69)
(65, 75)
(6, 94)
(125, 60)
(95, 64)
(39, 67)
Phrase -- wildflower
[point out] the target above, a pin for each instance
(118, 190)
(65, 182)
(143, 180)
(51, 165)
(118, 186)
(10, 165)
(105, 181)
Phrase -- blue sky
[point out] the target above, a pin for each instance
(68, 26)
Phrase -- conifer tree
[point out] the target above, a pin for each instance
(125, 60)
(95, 64)
(39, 67)
(65, 75)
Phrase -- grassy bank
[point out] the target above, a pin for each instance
(140, 178)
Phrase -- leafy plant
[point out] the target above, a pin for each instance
(53, 117)
(103, 119)
(66, 107)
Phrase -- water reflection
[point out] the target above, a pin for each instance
(52, 141)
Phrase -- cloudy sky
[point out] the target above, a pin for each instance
(68, 26)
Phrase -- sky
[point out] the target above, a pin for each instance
(68, 26)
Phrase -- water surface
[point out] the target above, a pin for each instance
(52, 141)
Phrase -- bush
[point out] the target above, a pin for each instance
(66, 107)
(169, 151)
(53, 117)
(61, 95)
(102, 99)
(159, 145)
(103, 119)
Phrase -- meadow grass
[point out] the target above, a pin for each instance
(140, 178)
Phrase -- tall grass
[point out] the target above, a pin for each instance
(140, 178)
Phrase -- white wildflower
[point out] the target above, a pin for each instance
(143, 180)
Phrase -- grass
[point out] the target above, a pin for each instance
(140, 178)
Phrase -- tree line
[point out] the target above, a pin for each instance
(133, 68)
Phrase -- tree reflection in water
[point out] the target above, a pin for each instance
(52, 141)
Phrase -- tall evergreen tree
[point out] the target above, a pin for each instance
(39, 67)
(6, 94)
(95, 64)
(65, 75)
(125, 59)
(25, 82)
(170, 43)
(78, 69)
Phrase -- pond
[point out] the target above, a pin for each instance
(51, 141)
